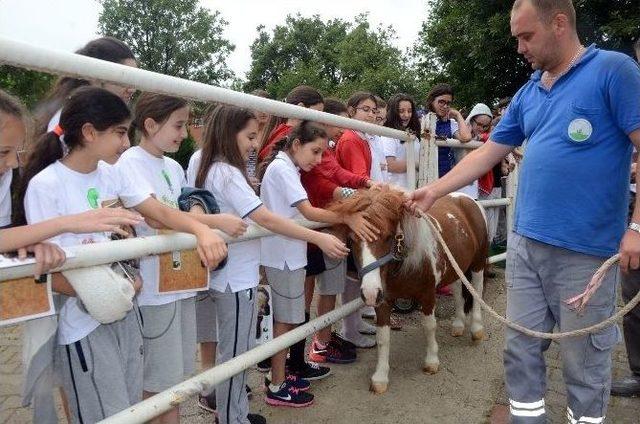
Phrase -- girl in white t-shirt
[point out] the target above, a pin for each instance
(169, 320)
(402, 115)
(13, 130)
(230, 135)
(285, 259)
(101, 364)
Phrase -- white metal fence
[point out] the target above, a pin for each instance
(63, 63)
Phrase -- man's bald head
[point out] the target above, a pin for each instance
(548, 9)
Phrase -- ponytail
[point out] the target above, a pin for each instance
(284, 144)
(47, 150)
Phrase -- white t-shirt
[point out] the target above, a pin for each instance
(192, 168)
(5, 198)
(281, 191)
(166, 178)
(395, 149)
(58, 190)
(378, 159)
(235, 196)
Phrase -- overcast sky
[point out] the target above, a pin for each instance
(69, 24)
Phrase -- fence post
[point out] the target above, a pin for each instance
(428, 171)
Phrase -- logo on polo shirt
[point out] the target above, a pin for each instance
(580, 130)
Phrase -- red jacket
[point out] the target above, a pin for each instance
(323, 179)
(353, 154)
(276, 135)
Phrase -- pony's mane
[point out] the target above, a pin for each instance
(383, 206)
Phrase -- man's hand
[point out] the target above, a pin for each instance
(421, 199)
(630, 251)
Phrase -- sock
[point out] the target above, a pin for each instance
(275, 387)
(296, 352)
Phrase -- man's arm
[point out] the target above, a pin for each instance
(472, 167)
(630, 244)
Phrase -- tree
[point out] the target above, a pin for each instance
(469, 45)
(336, 57)
(176, 38)
(28, 86)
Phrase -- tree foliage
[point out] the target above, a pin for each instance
(176, 38)
(335, 56)
(469, 45)
(29, 86)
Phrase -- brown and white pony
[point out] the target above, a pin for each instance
(463, 225)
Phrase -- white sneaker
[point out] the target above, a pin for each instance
(369, 312)
(366, 328)
(360, 341)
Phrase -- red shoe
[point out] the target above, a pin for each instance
(444, 291)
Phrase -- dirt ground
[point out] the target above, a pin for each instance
(467, 389)
(463, 391)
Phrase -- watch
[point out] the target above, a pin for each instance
(634, 227)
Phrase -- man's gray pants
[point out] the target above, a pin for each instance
(540, 277)
(236, 335)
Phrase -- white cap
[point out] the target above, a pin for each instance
(479, 109)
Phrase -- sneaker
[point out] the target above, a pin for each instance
(396, 322)
(295, 381)
(264, 366)
(288, 396)
(208, 403)
(333, 352)
(343, 343)
(256, 419)
(360, 341)
(366, 328)
(311, 371)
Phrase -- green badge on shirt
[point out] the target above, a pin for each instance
(92, 197)
(580, 130)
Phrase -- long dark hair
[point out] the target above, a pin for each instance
(220, 140)
(393, 116)
(103, 48)
(304, 94)
(87, 105)
(305, 132)
(158, 107)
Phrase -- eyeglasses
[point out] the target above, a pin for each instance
(367, 109)
(443, 102)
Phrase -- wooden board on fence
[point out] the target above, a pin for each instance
(24, 299)
(181, 271)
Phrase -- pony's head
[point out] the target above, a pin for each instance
(384, 208)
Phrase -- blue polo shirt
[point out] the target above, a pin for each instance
(574, 179)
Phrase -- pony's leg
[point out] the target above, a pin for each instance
(380, 378)
(431, 361)
(457, 325)
(477, 328)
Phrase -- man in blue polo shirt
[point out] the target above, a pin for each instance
(580, 115)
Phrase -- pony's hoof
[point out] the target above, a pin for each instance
(430, 368)
(457, 331)
(378, 388)
(478, 336)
